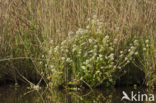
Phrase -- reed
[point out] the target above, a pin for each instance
(77, 41)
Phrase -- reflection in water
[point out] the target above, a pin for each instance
(23, 95)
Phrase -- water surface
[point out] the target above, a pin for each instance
(23, 95)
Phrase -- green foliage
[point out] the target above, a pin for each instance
(59, 43)
(91, 57)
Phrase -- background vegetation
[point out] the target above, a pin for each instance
(88, 43)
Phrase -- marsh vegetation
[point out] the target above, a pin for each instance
(77, 44)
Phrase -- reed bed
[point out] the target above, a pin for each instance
(77, 42)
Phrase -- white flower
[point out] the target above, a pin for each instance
(101, 59)
(100, 56)
(90, 40)
(68, 60)
(136, 53)
(42, 56)
(136, 42)
(119, 67)
(51, 66)
(114, 67)
(131, 53)
(56, 48)
(126, 58)
(121, 56)
(83, 67)
(91, 51)
(107, 37)
(95, 46)
(63, 58)
(147, 41)
(121, 52)
(74, 49)
(67, 50)
(111, 56)
(144, 49)
(46, 65)
(147, 45)
(79, 52)
(132, 47)
(106, 57)
(97, 71)
(63, 42)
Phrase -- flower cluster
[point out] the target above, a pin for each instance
(92, 56)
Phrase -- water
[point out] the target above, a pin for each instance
(23, 95)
